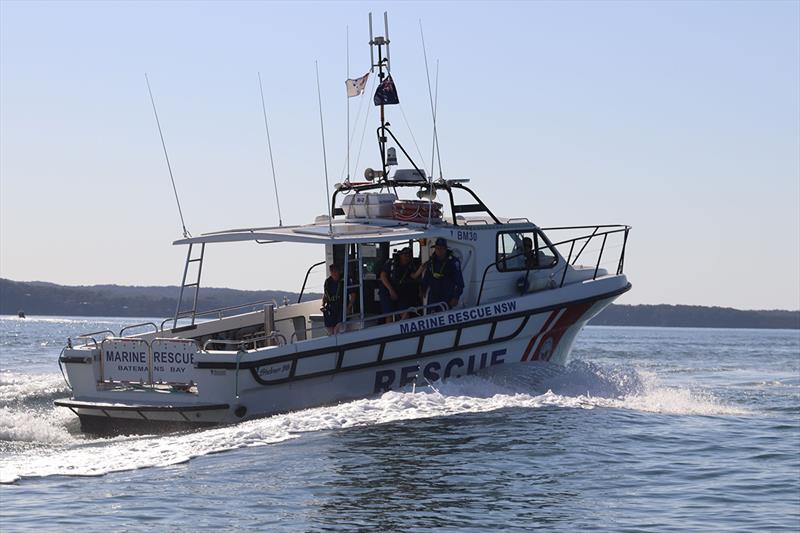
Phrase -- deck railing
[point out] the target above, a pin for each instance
(357, 323)
(582, 241)
(618, 231)
(222, 311)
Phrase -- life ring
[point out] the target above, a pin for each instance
(416, 210)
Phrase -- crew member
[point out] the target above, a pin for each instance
(399, 289)
(441, 276)
(332, 299)
(530, 258)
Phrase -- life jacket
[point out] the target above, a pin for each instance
(439, 273)
(398, 274)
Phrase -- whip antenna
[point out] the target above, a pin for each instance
(386, 31)
(347, 97)
(269, 149)
(324, 155)
(435, 112)
(434, 142)
(371, 46)
(186, 233)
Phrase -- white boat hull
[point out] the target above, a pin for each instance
(531, 329)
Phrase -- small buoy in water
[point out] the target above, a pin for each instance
(21, 314)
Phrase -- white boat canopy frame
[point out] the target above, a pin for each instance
(322, 232)
(342, 233)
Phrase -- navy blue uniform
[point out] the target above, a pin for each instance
(406, 287)
(443, 279)
(333, 306)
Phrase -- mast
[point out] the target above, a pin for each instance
(379, 42)
(385, 95)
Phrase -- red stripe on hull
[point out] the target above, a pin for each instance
(542, 330)
(550, 341)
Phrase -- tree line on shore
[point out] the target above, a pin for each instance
(41, 298)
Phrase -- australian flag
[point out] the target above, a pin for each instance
(386, 93)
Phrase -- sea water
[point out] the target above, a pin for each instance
(647, 429)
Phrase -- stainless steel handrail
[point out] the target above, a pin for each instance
(569, 260)
(222, 309)
(617, 228)
(256, 339)
(138, 326)
(303, 289)
(61, 368)
(590, 226)
(293, 337)
(442, 306)
(174, 339)
(91, 335)
(242, 342)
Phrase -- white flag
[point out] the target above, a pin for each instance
(356, 87)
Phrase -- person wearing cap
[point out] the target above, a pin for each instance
(332, 299)
(399, 288)
(441, 276)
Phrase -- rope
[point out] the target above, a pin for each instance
(411, 132)
(364, 130)
(355, 127)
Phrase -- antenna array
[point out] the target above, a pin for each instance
(379, 42)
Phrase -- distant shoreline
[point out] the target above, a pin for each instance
(49, 299)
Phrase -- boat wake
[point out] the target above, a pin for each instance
(37, 440)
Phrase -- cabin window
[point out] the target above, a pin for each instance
(524, 250)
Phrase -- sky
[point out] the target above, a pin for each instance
(681, 119)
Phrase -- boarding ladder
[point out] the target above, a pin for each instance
(196, 285)
(353, 257)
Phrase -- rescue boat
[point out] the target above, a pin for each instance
(528, 291)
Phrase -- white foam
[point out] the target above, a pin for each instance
(674, 401)
(579, 386)
(16, 387)
(629, 388)
(32, 427)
